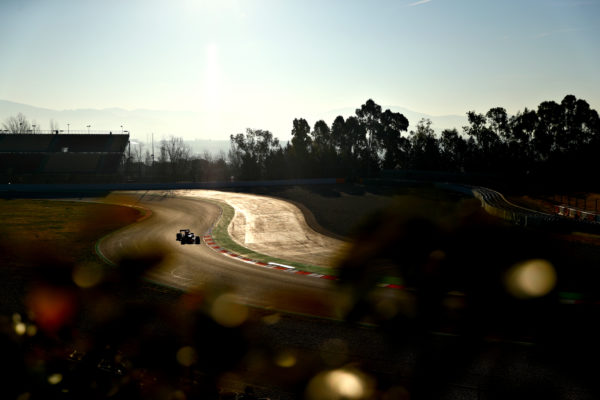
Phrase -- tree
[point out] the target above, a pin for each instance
(137, 153)
(177, 154)
(301, 140)
(369, 116)
(580, 124)
(299, 150)
(324, 151)
(339, 136)
(547, 129)
(349, 140)
(498, 123)
(395, 147)
(18, 124)
(424, 149)
(453, 150)
(520, 142)
(321, 135)
(487, 147)
(249, 152)
(356, 135)
(522, 127)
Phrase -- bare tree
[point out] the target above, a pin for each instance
(148, 157)
(18, 124)
(177, 154)
(138, 152)
(175, 150)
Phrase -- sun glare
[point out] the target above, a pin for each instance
(211, 78)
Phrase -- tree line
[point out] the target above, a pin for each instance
(557, 139)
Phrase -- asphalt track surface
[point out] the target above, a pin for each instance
(198, 267)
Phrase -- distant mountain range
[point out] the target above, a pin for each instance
(139, 122)
(143, 123)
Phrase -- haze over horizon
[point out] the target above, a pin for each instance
(259, 64)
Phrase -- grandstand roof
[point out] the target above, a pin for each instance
(55, 143)
(60, 157)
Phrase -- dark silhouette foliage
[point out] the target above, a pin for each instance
(557, 142)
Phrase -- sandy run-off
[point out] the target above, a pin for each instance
(274, 227)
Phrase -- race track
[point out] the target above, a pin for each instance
(197, 267)
(401, 350)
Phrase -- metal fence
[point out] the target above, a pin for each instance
(67, 131)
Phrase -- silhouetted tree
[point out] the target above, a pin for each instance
(249, 152)
(488, 146)
(342, 142)
(276, 165)
(424, 151)
(369, 117)
(177, 154)
(321, 135)
(498, 123)
(299, 149)
(453, 150)
(301, 139)
(561, 139)
(324, 152)
(340, 137)
(359, 150)
(548, 128)
(395, 147)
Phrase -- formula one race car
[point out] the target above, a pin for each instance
(185, 236)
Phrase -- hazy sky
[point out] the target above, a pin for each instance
(259, 64)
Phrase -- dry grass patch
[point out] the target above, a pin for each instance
(66, 229)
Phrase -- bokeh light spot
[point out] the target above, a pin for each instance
(227, 311)
(285, 359)
(55, 379)
(31, 330)
(51, 307)
(20, 328)
(87, 275)
(338, 384)
(531, 278)
(187, 356)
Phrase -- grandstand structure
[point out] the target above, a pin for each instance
(49, 158)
